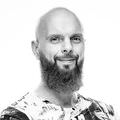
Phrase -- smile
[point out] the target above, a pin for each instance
(67, 59)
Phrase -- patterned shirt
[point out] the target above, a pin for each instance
(31, 107)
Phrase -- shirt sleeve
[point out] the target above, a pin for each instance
(13, 114)
(102, 111)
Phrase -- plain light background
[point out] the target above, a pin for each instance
(19, 69)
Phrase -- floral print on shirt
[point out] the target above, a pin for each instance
(40, 109)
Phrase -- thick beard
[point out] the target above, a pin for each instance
(58, 80)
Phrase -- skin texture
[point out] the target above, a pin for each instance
(60, 45)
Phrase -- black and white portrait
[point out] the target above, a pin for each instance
(56, 48)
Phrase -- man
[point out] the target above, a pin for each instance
(59, 46)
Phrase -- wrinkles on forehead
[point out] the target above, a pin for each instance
(53, 18)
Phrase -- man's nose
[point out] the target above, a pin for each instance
(67, 46)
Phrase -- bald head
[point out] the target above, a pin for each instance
(60, 18)
(60, 49)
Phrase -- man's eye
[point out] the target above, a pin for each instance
(76, 39)
(54, 40)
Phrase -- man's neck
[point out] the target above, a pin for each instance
(61, 99)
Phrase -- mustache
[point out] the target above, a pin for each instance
(67, 56)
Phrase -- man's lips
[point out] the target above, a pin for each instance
(66, 59)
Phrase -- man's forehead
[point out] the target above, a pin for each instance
(62, 21)
(58, 20)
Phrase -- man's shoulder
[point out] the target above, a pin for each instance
(94, 104)
(24, 108)
(95, 108)
(10, 113)
(14, 113)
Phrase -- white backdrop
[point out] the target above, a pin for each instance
(19, 69)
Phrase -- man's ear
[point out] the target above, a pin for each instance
(35, 48)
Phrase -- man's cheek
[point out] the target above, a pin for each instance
(50, 57)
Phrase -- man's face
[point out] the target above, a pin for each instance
(63, 43)
(61, 54)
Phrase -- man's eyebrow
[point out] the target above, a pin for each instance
(54, 35)
(61, 35)
(77, 34)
